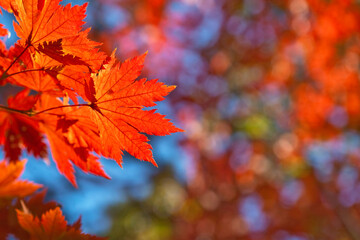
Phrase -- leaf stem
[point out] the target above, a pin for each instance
(14, 110)
(30, 113)
(63, 106)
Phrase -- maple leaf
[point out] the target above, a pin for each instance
(117, 102)
(46, 20)
(56, 31)
(51, 226)
(10, 186)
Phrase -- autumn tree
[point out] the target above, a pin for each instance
(269, 97)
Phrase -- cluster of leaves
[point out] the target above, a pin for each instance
(84, 103)
(276, 156)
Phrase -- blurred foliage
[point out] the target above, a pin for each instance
(269, 96)
(151, 215)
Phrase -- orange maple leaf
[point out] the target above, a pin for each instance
(46, 20)
(56, 31)
(118, 100)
